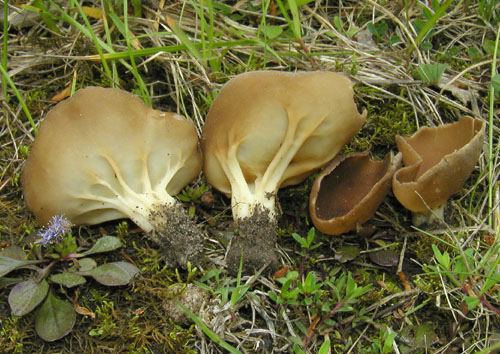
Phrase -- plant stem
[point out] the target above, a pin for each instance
(490, 132)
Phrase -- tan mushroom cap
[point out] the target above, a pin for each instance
(262, 118)
(103, 154)
(438, 161)
(349, 191)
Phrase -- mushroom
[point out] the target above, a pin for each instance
(349, 191)
(103, 155)
(438, 161)
(267, 130)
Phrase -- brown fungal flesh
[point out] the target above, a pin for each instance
(438, 161)
(102, 155)
(267, 130)
(349, 191)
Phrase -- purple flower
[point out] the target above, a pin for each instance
(57, 227)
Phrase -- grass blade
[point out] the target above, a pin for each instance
(5, 46)
(432, 21)
(6, 78)
(93, 37)
(492, 156)
(135, 72)
(183, 38)
(213, 336)
(296, 28)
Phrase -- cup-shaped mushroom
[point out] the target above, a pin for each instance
(103, 155)
(438, 161)
(349, 191)
(266, 130)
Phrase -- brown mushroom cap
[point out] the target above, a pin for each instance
(438, 161)
(349, 191)
(103, 154)
(266, 130)
(269, 129)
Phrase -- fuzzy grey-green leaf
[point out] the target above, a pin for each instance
(114, 274)
(68, 279)
(25, 296)
(86, 264)
(346, 253)
(14, 252)
(8, 264)
(54, 319)
(104, 244)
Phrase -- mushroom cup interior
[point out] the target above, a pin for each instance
(349, 190)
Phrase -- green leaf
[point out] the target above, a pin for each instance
(286, 294)
(471, 302)
(309, 285)
(395, 39)
(371, 27)
(489, 46)
(388, 342)
(118, 23)
(296, 28)
(14, 252)
(338, 23)
(427, 26)
(385, 258)
(86, 264)
(475, 54)
(495, 82)
(271, 31)
(442, 258)
(54, 319)
(301, 240)
(114, 274)
(104, 244)
(296, 347)
(273, 296)
(426, 46)
(419, 337)
(8, 264)
(27, 295)
(491, 281)
(6, 282)
(431, 73)
(427, 12)
(311, 235)
(46, 16)
(377, 29)
(346, 253)
(183, 38)
(68, 279)
(183, 198)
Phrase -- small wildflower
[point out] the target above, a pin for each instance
(58, 226)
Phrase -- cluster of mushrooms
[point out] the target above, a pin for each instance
(103, 155)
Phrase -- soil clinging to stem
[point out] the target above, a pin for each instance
(254, 240)
(178, 236)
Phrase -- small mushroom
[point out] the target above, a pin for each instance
(103, 155)
(349, 191)
(437, 161)
(267, 130)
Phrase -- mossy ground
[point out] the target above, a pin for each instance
(183, 53)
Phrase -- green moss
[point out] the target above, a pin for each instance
(427, 283)
(10, 335)
(387, 118)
